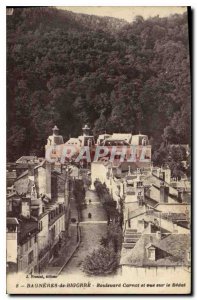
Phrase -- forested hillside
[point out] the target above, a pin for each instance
(69, 69)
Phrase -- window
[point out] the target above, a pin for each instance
(30, 243)
(26, 246)
(30, 257)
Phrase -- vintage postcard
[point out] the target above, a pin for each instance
(98, 150)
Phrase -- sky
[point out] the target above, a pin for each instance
(127, 12)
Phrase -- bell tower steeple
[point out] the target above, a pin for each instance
(55, 131)
(86, 130)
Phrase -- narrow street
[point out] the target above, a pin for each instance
(92, 229)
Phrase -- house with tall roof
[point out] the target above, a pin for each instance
(40, 205)
(154, 255)
(86, 139)
(55, 138)
(22, 246)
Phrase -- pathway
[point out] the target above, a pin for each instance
(92, 231)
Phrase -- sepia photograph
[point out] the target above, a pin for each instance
(98, 154)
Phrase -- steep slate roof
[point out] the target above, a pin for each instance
(137, 212)
(11, 221)
(55, 139)
(26, 158)
(22, 175)
(150, 201)
(103, 135)
(42, 164)
(13, 194)
(121, 136)
(173, 246)
(173, 207)
(73, 141)
(25, 187)
(27, 228)
(153, 179)
(11, 174)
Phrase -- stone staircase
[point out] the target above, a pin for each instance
(130, 238)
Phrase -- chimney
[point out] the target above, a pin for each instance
(31, 170)
(180, 196)
(164, 193)
(25, 210)
(149, 227)
(175, 228)
(158, 235)
(162, 175)
(48, 179)
(141, 225)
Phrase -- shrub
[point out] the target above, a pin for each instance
(113, 238)
(101, 261)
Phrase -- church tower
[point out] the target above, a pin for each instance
(86, 139)
(54, 140)
(86, 130)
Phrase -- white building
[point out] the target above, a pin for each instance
(22, 246)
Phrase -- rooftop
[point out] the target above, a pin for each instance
(104, 135)
(11, 174)
(55, 139)
(150, 201)
(121, 135)
(27, 228)
(42, 164)
(25, 159)
(172, 251)
(72, 140)
(137, 212)
(24, 187)
(12, 221)
(173, 207)
(22, 175)
(138, 135)
(11, 195)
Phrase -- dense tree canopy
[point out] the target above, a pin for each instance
(69, 69)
